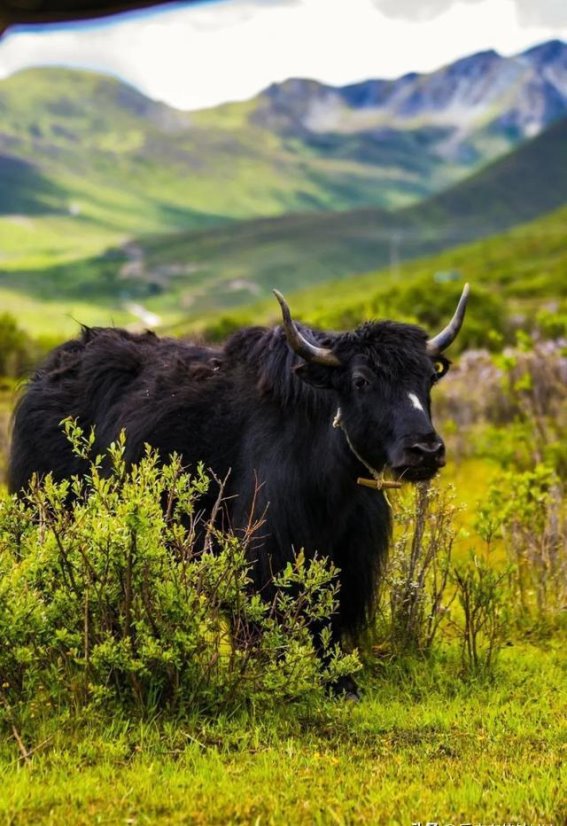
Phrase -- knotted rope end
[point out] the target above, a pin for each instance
(378, 484)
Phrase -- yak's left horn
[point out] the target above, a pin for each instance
(299, 344)
(442, 340)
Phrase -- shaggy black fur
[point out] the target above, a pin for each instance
(255, 408)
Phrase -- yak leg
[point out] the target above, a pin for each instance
(361, 557)
(345, 686)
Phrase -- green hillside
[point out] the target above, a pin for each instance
(86, 157)
(518, 187)
(215, 281)
(202, 272)
(89, 164)
(519, 278)
(77, 143)
(89, 148)
(96, 147)
(232, 265)
(522, 272)
(98, 138)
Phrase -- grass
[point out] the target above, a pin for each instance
(470, 478)
(420, 746)
(427, 742)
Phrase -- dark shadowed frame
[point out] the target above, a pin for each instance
(29, 12)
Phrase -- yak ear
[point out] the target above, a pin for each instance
(317, 375)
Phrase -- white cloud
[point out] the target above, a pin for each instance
(543, 12)
(204, 54)
(416, 9)
(530, 12)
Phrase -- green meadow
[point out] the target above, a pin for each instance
(421, 746)
(442, 733)
(523, 268)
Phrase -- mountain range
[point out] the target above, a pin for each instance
(484, 98)
(108, 194)
(86, 143)
(197, 273)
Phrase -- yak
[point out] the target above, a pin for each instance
(291, 416)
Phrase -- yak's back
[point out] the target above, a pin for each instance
(91, 379)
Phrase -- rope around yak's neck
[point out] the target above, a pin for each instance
(339, 423)
(377, 482)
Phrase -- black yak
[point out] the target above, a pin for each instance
(261, 407)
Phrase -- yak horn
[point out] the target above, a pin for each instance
(442, 340)
(299, 344)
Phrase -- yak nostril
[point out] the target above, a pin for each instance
(428, 450)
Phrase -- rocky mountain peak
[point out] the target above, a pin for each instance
(510, 98)
(552, 51)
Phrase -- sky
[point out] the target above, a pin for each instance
(204, 54)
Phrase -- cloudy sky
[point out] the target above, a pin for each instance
(201, 55)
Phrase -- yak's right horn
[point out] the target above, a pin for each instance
(299, 344)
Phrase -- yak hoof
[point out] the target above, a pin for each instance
(346, 689)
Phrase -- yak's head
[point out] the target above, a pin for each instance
(382, 374)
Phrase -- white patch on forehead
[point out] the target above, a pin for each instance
(415, 402)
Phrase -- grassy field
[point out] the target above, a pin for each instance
(428, 742)
(421, 746)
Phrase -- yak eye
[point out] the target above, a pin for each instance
(360, 382)
(440, 367)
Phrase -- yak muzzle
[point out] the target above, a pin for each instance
(419, 459)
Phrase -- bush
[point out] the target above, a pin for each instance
(17, 351)
(415, 600)
(552, 324)
(421, 301)
(483, 619)
(115, 593)
(519, 418)
(433, 307)
(526, 510)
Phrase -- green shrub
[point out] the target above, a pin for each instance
(526, 510)
(551, 323)
(484, 616)
(17, 351)
(115, 593)
(415, 598)
(432, 307)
